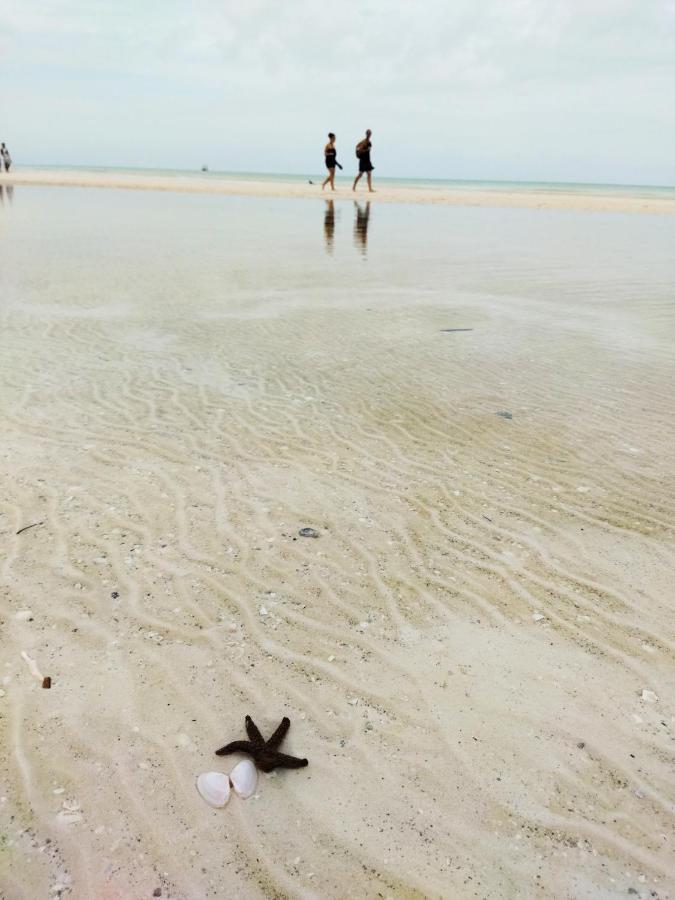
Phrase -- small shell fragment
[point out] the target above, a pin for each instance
(244, 778)
(649, 697)
(214, 788)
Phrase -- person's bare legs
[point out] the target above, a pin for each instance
(356, 180)
(329, 179)
(370, 183)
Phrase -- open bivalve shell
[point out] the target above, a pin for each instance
(244, 778)
(214, 788)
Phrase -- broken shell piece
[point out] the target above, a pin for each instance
(214, 788)
(649, 697)
(244, 778)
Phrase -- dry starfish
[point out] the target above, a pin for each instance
(265, 753)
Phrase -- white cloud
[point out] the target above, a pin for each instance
(498, 84)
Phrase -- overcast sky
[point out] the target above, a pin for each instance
(576, 90)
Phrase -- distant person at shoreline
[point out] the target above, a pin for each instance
(330, 154)
(365, 165)
(6, 158)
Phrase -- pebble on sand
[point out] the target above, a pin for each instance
(308, 532)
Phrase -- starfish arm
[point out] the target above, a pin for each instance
(253, 732)
(279, 734)
(289, 762)
(235, 747)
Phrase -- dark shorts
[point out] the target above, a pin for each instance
(330, 163)
(364, 163)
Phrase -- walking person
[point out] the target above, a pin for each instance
(330, 154)
(6, 158)
(365, 165)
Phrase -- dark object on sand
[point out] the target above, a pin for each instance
(46, 682)
(310, 181)
(26, 527)
(308, 532)
(265, 753)
(505, 414)
(456, 329)
(205, 168)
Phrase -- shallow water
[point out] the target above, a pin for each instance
(189, 380)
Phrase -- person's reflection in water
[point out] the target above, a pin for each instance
(10, 192)
(329, 225)
(361, 226)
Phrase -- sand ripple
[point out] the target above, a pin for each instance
(462, 652)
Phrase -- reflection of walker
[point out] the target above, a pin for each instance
(361, 226)
(329, 225)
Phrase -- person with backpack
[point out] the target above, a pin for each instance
(365, 165)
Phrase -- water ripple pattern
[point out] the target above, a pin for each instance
(477, 652)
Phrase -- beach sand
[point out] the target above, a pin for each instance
(477, 652)
(593, 200)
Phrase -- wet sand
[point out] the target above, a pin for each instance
(463, 652)
(609, 200)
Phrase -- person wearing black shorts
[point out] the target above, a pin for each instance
(365, 165)
(330, 154)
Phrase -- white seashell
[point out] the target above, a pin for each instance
(244, 778)
(214, 788)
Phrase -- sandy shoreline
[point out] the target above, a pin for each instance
(212, 184)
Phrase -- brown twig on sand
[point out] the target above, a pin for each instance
(26, 527)
(47, 681)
